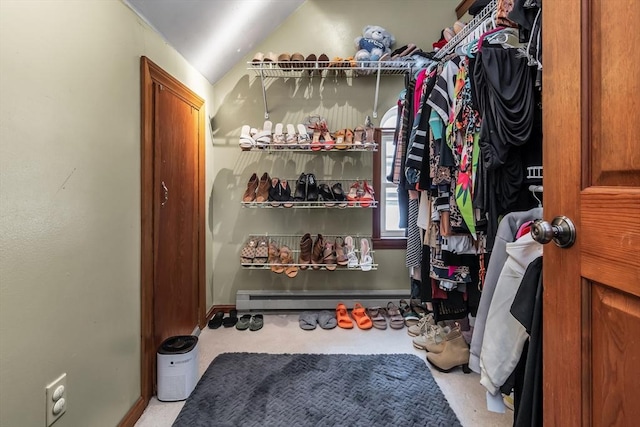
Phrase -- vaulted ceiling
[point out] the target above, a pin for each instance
(213, 35)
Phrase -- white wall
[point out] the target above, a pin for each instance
(70, 204)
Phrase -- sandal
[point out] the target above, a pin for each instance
(315, 144)
(230, 321)
(303, 136)
(262, 252)
(360, 316)
(275, 192)
(366, 198)
(351, 253)
(396, 321)
(340, 139)
(274, 258)
(379, 321)
(278, 136)
(325, 195)
(327, 138)
(342, 316)
(355, 192)
(292, 137)
(358, 137)
(365, 255)
(341, 258)
(368, 130)
(329, 257)
(285, 194)
(263, 137)
(248, 253)
(286, 259)
(338, 194)
(348, 138)
(246, 140)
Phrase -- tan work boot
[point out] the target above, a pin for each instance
(433, 337)
(455, 353)
(422, 325)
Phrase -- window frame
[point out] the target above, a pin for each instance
(378, 241)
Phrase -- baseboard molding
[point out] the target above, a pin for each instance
(314, 300)
(134, 414)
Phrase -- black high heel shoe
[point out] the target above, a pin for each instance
(338, 194)
(312, 188)
(326, 195)
(301, 189)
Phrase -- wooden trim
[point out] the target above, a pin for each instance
(587, 390)
(463, 7)
(152, 74)
(134, 414)
(377, 241)
(585, 92)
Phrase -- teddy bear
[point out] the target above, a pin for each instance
(374, 42)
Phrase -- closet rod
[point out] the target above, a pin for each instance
(485, 14)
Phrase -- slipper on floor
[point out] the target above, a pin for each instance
(308, 320)
(230, 321)
(243, 322)
(360, 316)
(256, 323)
(216, 320)
(342, 316)
(327, 319)
(378, 319)
(396, 321)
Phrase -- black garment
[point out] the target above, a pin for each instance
(527, 309)
(452, 308)
(426, 293)
(477, 7)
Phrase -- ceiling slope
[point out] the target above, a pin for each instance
(213, 35)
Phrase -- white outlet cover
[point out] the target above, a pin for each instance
(56, 396)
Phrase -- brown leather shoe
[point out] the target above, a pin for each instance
(329, 256)
(317, 253)
(250, 193)
(341, 258)
(304, 259)
(262, 193)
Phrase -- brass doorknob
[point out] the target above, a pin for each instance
(561, 231)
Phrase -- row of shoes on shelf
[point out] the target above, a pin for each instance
(277, 192)
(315, 137)
(320, 253)
(253, 322)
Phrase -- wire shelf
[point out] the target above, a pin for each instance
(292, 241)
(305, 148)
(288, 69)
(370, 204)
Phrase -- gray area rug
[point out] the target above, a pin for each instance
(256, 389)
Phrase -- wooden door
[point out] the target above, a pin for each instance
(591, 95)
(173, 267)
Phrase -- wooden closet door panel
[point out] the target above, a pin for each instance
(175, 293)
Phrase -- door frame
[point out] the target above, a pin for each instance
(152, 74)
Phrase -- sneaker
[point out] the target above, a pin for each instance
(432, 339)
(422, 325)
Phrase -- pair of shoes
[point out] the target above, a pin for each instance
(432, 338)
(281, 260)
(216, 320)
(377, 317)
(331, 196)
(247, 321)
(254, 252)
(422, 326)
(257, 190)
(231, 320)
(359, 314)
(396, 321)
(452, 352)
(306, 188)
(260, 57)
(365, 262)
(321, 137)
(322, 254)
(291, 138)
(280, 193)
(361, 194)
(308, 320)
(343, 139)
(411, 318)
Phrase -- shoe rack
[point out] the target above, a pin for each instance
(320, 69)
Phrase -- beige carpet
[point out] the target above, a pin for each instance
(281, 334)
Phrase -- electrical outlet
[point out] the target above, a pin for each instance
(56, 395)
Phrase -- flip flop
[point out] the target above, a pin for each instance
(342, 316)
(256, 322)
(360, 316)
(379, 321)
(327, 319)
(243, 322)
(308, 320)
(246, 140)
(216, 320)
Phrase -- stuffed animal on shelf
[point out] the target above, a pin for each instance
(374, 42)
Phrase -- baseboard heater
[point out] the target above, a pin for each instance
(314, 300)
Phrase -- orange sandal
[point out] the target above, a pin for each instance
(340, 137)
(360, 316)
(344, 321)
(367, 196)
